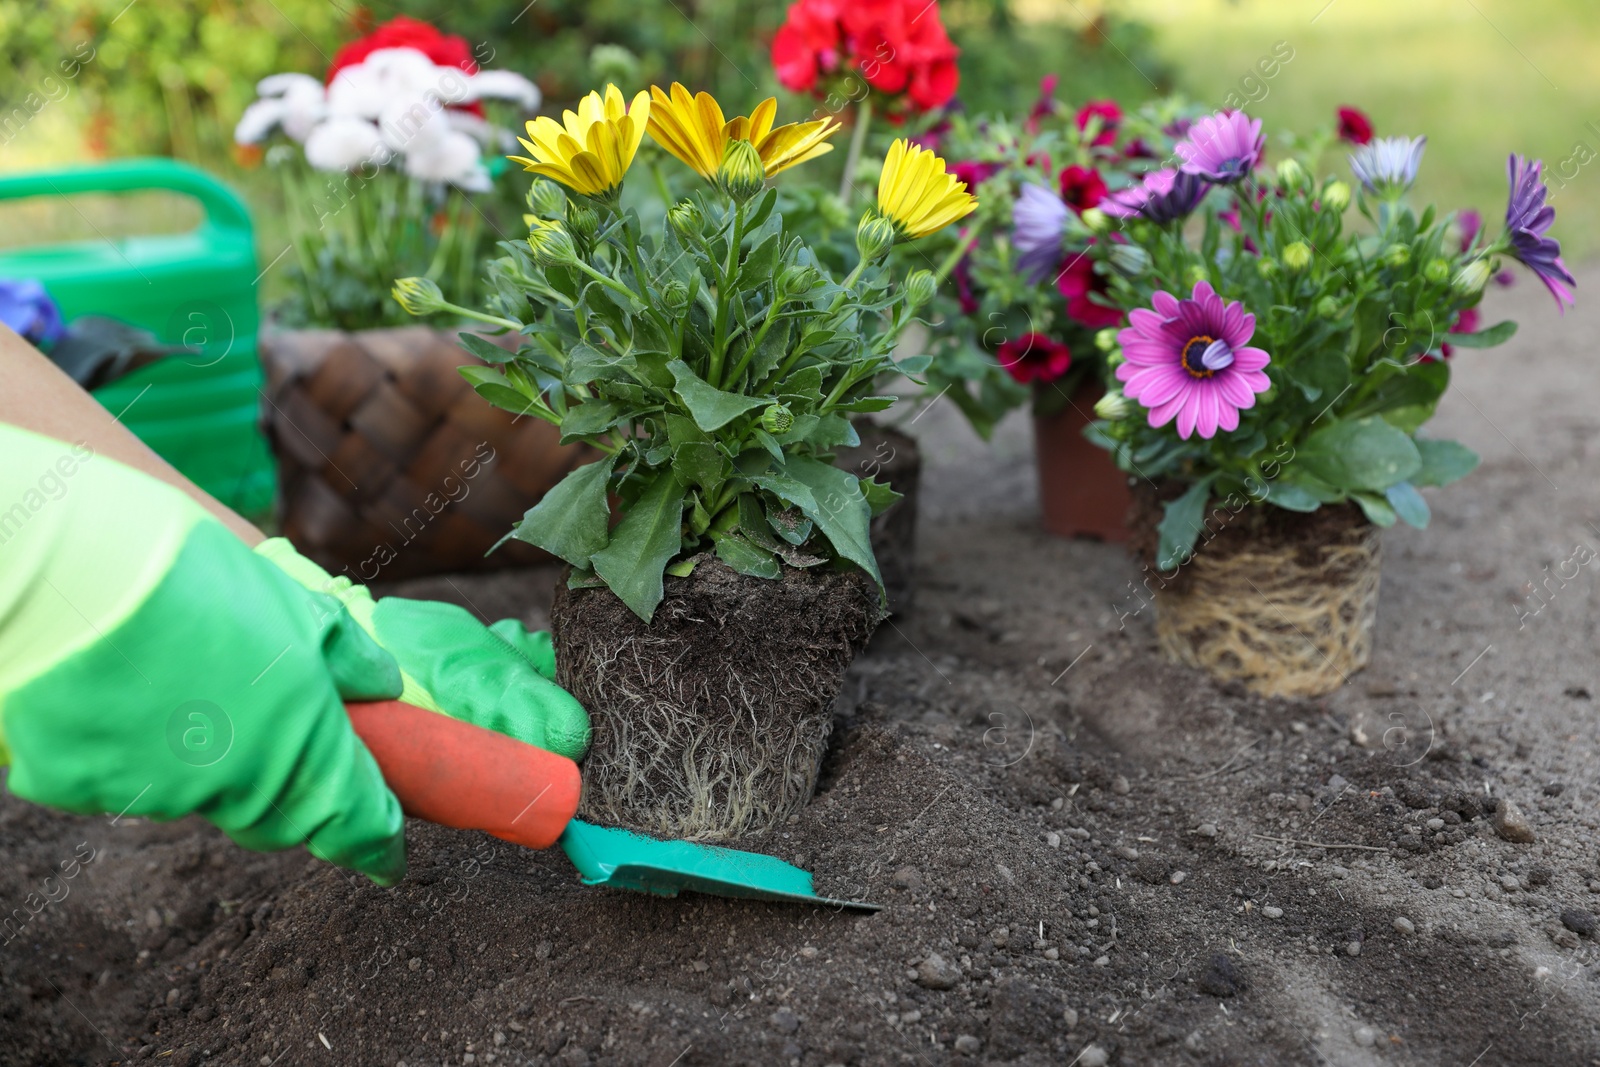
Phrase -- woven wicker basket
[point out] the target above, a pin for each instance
(390, 466)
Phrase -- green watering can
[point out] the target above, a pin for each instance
(199, 409)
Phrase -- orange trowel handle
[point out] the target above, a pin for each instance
(455, 774)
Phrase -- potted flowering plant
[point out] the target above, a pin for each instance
(721, 576)
(389, 467)
(1274, 379)
(1029, 319)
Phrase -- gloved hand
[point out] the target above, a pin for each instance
(500, 677)
(152, 665)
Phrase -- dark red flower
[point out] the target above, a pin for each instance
(403, 32)
(1110, 116)
(1081, 188)
(973, 172)
(1033, 357)
(1077, 281)
(1354, 126)
(1466, 322)
(898, 46)
(1045, 105)
(962, 274)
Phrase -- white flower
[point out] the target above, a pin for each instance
(453, 158)
(293, 102)
(504, 85)
(345, 143)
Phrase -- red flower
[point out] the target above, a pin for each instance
(1045, 105)
(1077, 281)
(973, 172)
(1354, 126)
(1033, 357)
(1466, 322)
(1110, 116)
(898, 46)
(1082, 188)
(403, 32)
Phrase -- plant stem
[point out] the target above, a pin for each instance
(858, 139)
(950, 261)
(725, 295)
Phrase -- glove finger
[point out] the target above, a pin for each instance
(535, 646)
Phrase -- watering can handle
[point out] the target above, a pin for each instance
(464, 776)
(222, 206)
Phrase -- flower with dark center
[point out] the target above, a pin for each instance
(1388, 165)
(1189, 360)
(1033, 357)
(1354, 126)
(1078, 282)
(1164, 195)
(1082, 188)
(1223, 148)
(1528, 218)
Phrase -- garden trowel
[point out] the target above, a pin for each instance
(464, 776)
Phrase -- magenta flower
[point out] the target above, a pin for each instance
(1527, 219)
(1188, 360)
(1223, 148)
(1161, 196)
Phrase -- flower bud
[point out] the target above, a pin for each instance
(675, 294)
(1297, 256)
(1328, 307)
(1106, 339)
(875, 235)
(1470, 279)
(797, 279)
(1129, 260)
(582, 222)
(742, 174)
(1291, 175)
(777, 419)
(418, 296)
(1437, 271)
(1397, 255)
(1336, 196)
(1114, 406)
(551, 244)
(1095, 220)
(920, 287)
(684, 218)
(546, 199)
(613, 63)
(1267, 267)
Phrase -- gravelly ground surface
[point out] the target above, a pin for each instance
(1086, 855)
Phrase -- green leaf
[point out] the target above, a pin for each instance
(1419, 385)
(641, 546)
(1443, 462)
(491, 385)
(571, 520)
(1376, 508)
(683, 568)
(1292, 497)
(711, 407)
(1360, 454)
(1408, 504)
(879, 496)
(756, 270)
(1181, 524)
(1324, 372)
(832, 499)
(869, 403)
(774, 346)
(746, 558)
(805, 383)
(790, 524)
(753, 522)
(484, 348)
(699, 463)
(585, 363)
(833, 429)
(589, 418)
(1498, 334)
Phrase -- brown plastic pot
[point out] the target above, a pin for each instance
(1081, 491)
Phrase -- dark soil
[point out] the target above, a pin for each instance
(710, 721)
(1076, 844)
(893, 459)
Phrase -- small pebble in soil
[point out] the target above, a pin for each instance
(908, 878)
(1119, 786)
(1053, 839)
(1338, 872)
(1058, 803)
(1127, 852)
(934, 973)
(1353, 949)
(1206, 829)
(1052, 954)
(1272, 913)
(785, 1021)
(1220, 977)
(1094, 1056)
(1405, 926)
(1366, 1037)
(1508, 882)
(1435, 824)
(1579, 920)
(1511, 824)
(1177, 877)
(968, 1045)
(1070, 1017)
(1103, 961)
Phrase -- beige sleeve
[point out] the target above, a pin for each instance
(36, 395)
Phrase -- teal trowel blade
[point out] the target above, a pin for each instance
(622, 859)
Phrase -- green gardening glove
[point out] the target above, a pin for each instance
(152, 665)
(500, 677)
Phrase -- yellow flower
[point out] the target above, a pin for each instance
(918, 194)
(693, 129)
(590, 150)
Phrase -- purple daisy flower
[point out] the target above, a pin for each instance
(1188, 360)
(1388, 165)
(1161, 196)
(1037, 221)
(1527, 219)
(28, 309)
(1223, 148)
